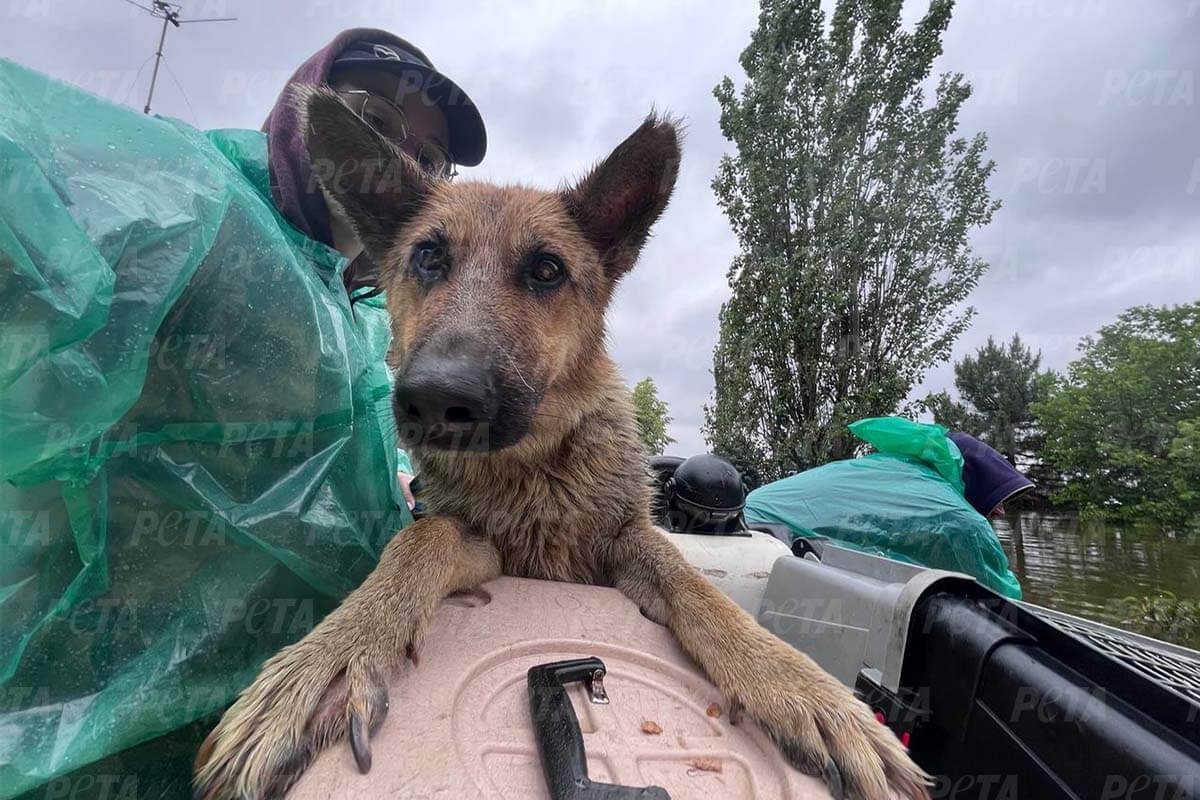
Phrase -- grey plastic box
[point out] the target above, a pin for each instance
(848, 610)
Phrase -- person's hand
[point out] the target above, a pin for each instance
(406, 487)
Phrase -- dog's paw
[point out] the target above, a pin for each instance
(823, 730)
(308, 696)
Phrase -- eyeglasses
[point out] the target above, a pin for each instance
(390, 122)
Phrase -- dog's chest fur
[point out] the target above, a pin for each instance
(546, 514)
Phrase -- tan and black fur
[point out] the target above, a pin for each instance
(541, 476)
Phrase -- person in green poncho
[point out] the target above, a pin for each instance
(198, 457)
(923, 497)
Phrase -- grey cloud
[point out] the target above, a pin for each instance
(1061, 87)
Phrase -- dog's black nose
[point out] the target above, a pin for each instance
(447, 393)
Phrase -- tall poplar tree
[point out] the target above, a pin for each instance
(852, 199)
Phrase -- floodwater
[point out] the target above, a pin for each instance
(1087, 568)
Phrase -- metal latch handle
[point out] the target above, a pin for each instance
(559, 740)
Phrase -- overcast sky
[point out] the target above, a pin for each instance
(1090, 106)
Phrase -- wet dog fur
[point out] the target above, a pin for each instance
(533, 469)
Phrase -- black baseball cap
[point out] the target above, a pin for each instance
(468, 137)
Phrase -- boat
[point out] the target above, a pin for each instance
(545, 690)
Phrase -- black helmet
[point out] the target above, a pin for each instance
(661, 470)
(705, 495)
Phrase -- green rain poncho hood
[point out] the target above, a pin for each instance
(197, 458)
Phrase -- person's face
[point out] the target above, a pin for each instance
(403, 114)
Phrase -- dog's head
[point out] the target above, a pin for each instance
(496, 293)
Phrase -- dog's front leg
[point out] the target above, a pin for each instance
(335, 680)
(819, 725)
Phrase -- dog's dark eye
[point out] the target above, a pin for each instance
(430, 260)
(546, 272)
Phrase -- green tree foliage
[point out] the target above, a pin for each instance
(1123, 425)
(852, 199)
(652, 417)
(1184, 456)
(996, 386)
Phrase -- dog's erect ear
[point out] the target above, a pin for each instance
(378, 187)
(618, 201)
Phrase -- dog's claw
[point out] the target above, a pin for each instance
(360, 742)
(825, 732)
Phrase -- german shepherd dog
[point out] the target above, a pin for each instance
(525, 440)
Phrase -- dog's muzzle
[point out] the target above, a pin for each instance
(454, 399)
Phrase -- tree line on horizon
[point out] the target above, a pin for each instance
(1116, 434)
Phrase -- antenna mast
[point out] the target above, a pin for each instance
(168, 13)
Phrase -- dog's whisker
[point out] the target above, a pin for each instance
(516, 367)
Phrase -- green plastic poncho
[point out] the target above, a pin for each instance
(196, 460)
(904, 502)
